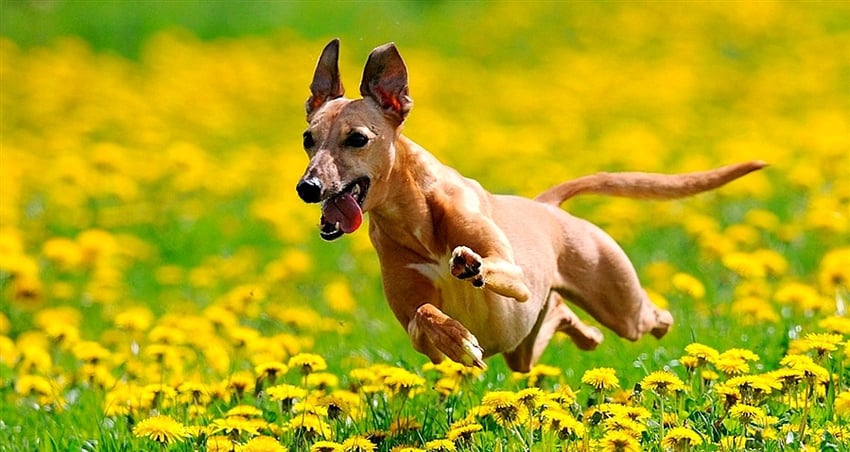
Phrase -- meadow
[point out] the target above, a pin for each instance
(162, 287)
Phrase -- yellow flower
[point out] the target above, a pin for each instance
(822, 343)
(530, 397)
(620, 423)
(505, 408)
(403, 383)
(358, 444)
(800, 296)
(262, 444)
(834, 272)
(286, 394)
(463, 432)
(234, 426)
(440, 445)
(564, 425)
(270, 370)
(162, 429)
(219, 443)
(754, 311)
(601, 378)
(326, 446)
(619, 441)
(540, 373)
(564, 396)
(842, 404)
(307, 363)
(745, 265)
(309, 424)
(747, 414)
(688, 285)
(681, 438)
(703, 353)
(663, 383)
(244, 411)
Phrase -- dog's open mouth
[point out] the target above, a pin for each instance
(343, 212)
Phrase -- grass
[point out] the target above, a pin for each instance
(155, 261)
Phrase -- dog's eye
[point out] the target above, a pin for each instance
(308, 140)
(356, 140)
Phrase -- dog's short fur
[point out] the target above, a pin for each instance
(470, 274)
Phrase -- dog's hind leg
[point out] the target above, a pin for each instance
(599, 278)
(558, 318)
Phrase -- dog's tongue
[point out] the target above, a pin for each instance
(345, 210)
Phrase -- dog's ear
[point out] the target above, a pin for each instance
(326, 83)
(385, 81)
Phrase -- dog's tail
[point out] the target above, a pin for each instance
(648, 185)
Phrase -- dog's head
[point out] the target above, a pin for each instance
(351, 142)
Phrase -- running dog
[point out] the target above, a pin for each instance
(468, 273)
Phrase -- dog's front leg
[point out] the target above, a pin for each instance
(494, 273)
(437, 336)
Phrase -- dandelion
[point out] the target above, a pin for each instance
(309, 425)
(822, 343)
(263, 444)
(358, 444)
(463, 432)
(842, 404)
(268, 372)
(326, 446)
(234, 427)
(530, 397)
(619, 441)
(240, 383)
(505, 408)
(663, 383)
(244, 411)
(564, 396)
(219, 443)
(620, 423)
(564, 425)
(601, 378)
(747, 414)
(440, 445)
(307, 363)
(753, 388)
(162, 429)
(745, 265)
(703, 353)
(681, 439)
(541, 373)
(688, 285)
(402, 383)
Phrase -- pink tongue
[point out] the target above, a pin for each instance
(343, 209)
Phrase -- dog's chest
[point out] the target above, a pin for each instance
(484, 313)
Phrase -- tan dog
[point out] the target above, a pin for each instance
(468, 273)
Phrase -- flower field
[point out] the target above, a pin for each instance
(162, 287)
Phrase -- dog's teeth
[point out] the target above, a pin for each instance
(355, 191)
(336, 225)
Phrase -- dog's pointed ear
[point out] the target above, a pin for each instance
(326, 83)
(385, 81)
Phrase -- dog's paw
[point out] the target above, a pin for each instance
(466, 264)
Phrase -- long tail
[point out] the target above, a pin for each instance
(648, 185)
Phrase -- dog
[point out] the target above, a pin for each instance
(468, 273)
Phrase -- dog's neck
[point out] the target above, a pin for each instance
(405, 213)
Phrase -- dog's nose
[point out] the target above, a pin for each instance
(310, 190)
